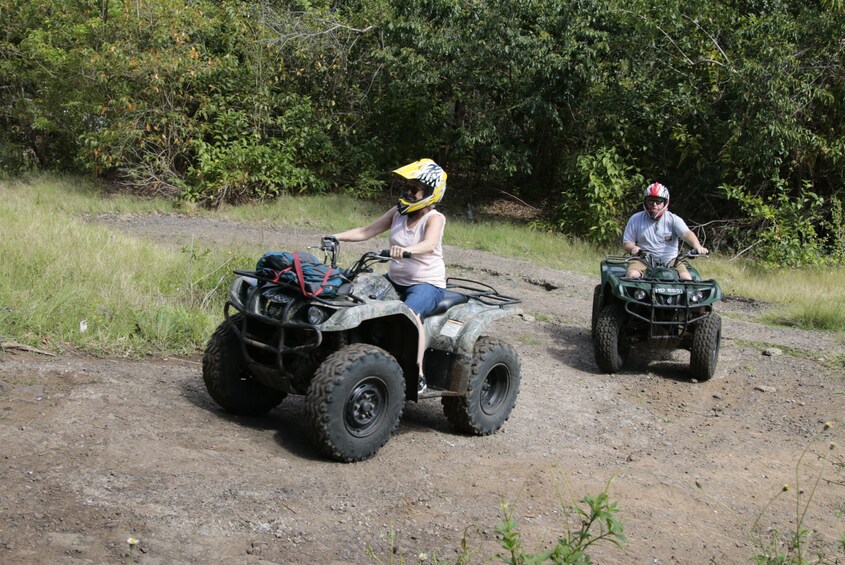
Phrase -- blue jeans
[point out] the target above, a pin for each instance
(421, 298)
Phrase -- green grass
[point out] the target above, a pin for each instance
(512, 240)
(140, 298)
(805, 298)
(68, 283)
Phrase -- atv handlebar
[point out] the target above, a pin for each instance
(363, 265)
(651, 261)
(386, 253)
(330, 246)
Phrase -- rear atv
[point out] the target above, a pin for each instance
(657, 311)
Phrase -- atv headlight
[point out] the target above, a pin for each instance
(696, 297)
(315, 315)
(640, 294)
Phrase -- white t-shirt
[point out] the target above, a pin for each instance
(423, 268)
(656, 237)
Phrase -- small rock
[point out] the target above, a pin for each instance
(765, 388)
(772, 352)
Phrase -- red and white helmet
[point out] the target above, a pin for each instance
(656, 190)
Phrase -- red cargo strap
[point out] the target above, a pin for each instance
(298, 266)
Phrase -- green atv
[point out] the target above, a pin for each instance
(658, 311)
(353, 355)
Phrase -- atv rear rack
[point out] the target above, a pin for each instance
(475, 290)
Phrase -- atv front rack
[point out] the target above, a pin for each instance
(332, 300)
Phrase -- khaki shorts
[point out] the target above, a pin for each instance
(640, 267)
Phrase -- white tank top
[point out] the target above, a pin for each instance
(423, 268)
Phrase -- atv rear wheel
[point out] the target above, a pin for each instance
(704, 353)
(227, 379)
(493, 387)
(609, 347)
(355, 401)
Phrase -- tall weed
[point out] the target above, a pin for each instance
(590, 521)
(800, 544)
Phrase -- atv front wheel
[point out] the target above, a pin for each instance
(493, 388)
(355, 401)
(704, 353)
(609, 347)
(227, 379)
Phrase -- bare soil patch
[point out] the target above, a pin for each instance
(97, 450)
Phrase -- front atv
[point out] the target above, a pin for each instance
(353, 354)
(658, 311)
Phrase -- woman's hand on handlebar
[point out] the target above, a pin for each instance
(397, 252)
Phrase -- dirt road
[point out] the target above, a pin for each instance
(96, 451)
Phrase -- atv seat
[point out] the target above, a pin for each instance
(450, 298)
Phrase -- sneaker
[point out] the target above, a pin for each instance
(421, 385)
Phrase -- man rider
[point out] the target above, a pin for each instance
(657, 231)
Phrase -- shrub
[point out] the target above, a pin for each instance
(600, 200)
(786, 233)
(595, 521)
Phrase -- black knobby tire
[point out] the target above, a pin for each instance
(491, 394)
(609, 347)
(355, 401)
(596, 307)
(704, 353)
(227, 379)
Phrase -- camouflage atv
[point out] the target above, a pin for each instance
(353, 355)
(658, 311)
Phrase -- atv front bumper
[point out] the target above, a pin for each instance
(667, 309)
(265, 341)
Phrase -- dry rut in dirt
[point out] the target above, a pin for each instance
(98, 450)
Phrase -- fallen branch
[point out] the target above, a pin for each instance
(7, 345)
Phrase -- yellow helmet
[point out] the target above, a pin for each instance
(431, 176)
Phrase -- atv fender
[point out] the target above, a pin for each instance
(457, 332)
(458, 329)
(350, 318)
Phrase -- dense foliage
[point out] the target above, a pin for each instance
(737, 105)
